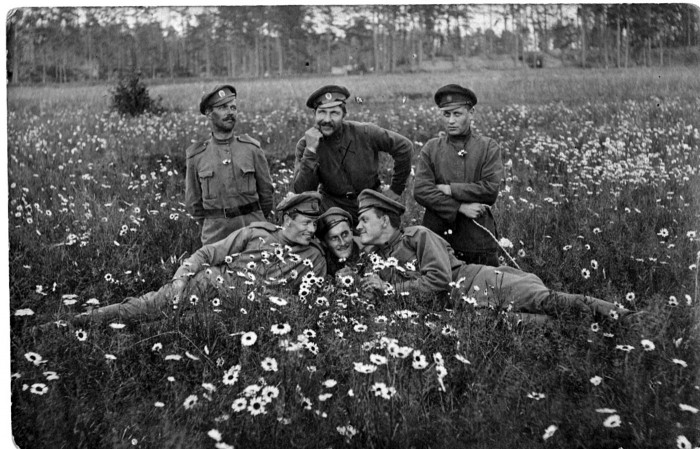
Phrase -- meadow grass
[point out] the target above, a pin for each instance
(602, 198)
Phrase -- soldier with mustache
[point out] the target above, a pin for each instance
(228, 183)
(340, 157)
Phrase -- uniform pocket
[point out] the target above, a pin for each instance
(206, 181)
(246, 178)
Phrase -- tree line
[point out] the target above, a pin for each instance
(59, 45)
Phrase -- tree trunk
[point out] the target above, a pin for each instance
(619, 31)
(280, 56)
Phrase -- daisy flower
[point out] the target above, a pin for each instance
(536, 396)
(419, 360)
(683, 443)
(269, 392)
(648, 345)
(364, 368)
(325, 396)
(612, 421)
(256, 406)
(688, 408)
(81, 335)
(34, 358)
(549, 432)
(231, 376)
(680, 362)
(377, 359)
(673, 301)
(278, 301)
(239, 405)
(329, 383)
(214, 434)
(157, 347)
(269, 364)
(359, 328)
(117, 325)
(594, 264)
(51, 375)
(630, 296)
(249, 338)
(626, 348)
(596, 380)
(280, 329)
(24, 312)
(585, 273)
(39, 389)
(190, 401)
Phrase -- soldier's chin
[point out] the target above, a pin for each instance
(344, 254)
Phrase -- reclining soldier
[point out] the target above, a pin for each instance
(284, 255)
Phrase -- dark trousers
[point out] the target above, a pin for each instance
(490, 259)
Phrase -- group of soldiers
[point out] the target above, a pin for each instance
(339, 211)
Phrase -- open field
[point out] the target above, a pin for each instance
(602, 198)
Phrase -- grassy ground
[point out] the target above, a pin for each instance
(602, 198)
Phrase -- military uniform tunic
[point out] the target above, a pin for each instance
(426, 262)
(348, 162)
(474, 177)
(259, 249)
(228, 185)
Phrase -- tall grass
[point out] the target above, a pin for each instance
(601, 198)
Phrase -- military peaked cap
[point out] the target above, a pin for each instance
(371, 198)
(220, 95)
(328, 97)
(453, 96)
(306, 203)
(330, 218)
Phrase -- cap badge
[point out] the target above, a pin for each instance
(328, 96)
(448, 98)
(222, 94)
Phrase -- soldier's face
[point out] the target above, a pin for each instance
(371, 227)
(223, 116)
(328, 120)
(339, 240)
(299, 229)
(457, 121)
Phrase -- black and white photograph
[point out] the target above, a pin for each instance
(347, 225)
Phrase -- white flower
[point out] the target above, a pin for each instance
(596, 380)
(680, 362)
(24, 312)
(239, 405)
(683, 443)
(249, 338)
(505, 243)
(280, 329)
(269, 364)
(648, 345)
(688, 408)
(175, 357)
(462, 359)
(214, 434)
(612, 421)
(377, 359)
(117, 325)
(549, 431)
(190, 401)
(39, 389)
(329, 383)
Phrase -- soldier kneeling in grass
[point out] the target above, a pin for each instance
(415, 258)
(288, 255)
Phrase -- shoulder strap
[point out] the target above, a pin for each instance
(247, 139)
(266, 225)
(196, 148)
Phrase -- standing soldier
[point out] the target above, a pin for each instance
(228, 184)
(457, 180)
(342, 156)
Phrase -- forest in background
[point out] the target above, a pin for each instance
(80, 44)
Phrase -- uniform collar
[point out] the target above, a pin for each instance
(460, 140)
(225, 141)
(387, 247)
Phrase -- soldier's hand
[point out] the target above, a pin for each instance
(472, 210)
(372, 283)
(312, 137)
(445, 188)
(387, 192)
(178, 286)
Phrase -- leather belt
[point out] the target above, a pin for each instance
(231, 212)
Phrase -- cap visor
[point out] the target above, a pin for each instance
(330, 104)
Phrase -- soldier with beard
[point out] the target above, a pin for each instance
(340, 157)
(228, 183)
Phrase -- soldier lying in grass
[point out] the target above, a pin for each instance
(288, 254)
(415, 258)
